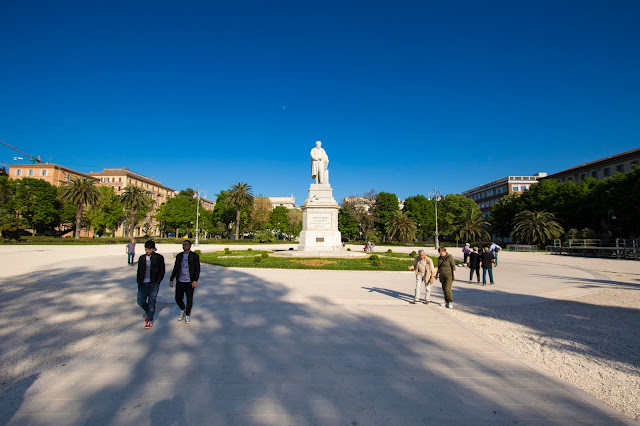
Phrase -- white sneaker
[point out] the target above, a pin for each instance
(450, 305)
(187, 319)
(181, 316)
(443, 304)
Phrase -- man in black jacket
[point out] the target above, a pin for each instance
(150, 275)
(187, 269)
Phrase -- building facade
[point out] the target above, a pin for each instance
(489, 194)
(600, 169)
(288, 202)
(120, 178)
(54, 174)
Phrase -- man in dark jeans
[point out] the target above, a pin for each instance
(474, 264)
(487, 265)
(150, 275)
(187, 269)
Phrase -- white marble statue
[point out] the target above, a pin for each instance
(319, 164)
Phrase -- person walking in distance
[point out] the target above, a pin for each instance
(474, 264)
(150, 275)
(424, 274)
(447, 273)
(131, 251)
(465, 251)
(187, 270)
(494, 249)
(488, 260)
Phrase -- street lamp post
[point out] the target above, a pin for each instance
(436, 195)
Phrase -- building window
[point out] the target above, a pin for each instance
(515, 188)
(68, 177)
(634, 163)
(620, 168)
(30, 173)
(43, 172)
(119, 188)
(583, 176)
(569, 179)
(594, 174)
(18, 172)
(606, 172)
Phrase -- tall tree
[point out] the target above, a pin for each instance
(240, 195)
(472, 226)
(135, 200)
(422, 211)
(450, 209)
(384, 209)
(260, 213)
(536, 227)
(83, 193)
(279, 220)
(107, 213)
(37, 202)
(178, 213)
(401, 227)
(348, 225)
(295, 222)
(223, 213)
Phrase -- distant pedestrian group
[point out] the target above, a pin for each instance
(486, 258)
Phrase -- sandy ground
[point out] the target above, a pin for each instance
(592, 341)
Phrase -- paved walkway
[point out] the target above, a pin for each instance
(280, 347)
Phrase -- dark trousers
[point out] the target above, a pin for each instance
(181, 289)
(484, 275)
(130, 257)
(147, 294)
(466, 258)
(477, 271)
(447, 282)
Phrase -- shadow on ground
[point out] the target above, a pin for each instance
(251, 356)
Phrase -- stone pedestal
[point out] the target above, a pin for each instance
(320, 220)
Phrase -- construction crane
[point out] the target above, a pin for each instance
(31, 157)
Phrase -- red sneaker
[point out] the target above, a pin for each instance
(148, 324)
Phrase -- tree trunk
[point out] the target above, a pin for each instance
(78, 221)
(238, 223)
(132, 224)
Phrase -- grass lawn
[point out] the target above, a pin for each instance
(247, 259)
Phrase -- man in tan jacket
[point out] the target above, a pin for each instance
(424, 268)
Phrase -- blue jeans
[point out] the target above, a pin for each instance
(130, 257)
(484, 275)
(147, 294)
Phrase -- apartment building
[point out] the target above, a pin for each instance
(54, 174)
(120, 178)
(600, 169)
(489, 194)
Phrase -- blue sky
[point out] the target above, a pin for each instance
(405, 96)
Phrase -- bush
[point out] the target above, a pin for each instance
(257, 259)
(348, 249)
(377, 262)
(265, 255)
(226, 249)
(198, 252)
(374, 257)
(413, 254)
(389, 251)
(265, 237)
(249, 249)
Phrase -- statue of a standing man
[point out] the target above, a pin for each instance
(319, 164)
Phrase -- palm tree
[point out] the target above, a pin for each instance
(401, 226)
(240, 195)
(83, 193)
(536, 227)
(134, 199)
(473, 226)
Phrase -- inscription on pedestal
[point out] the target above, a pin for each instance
(320, 221)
